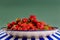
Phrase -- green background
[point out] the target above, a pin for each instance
(45, 10)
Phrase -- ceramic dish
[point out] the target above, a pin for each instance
(30, 33)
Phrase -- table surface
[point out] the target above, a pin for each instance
(5, 36)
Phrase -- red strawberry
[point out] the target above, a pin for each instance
(34, 21)
(9, 25)
(50, 28)
(24, 28)
(13, 23)
(19, 28)
(30, 24)
(36, 28)
(23, 25)
(41, 27)
(33, 29)
(28, 27)
(32, 17)
(14, 27)
(43, 23)
(24, 20)
(19, 23)
(38, 24)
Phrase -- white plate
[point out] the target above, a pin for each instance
(30, 33)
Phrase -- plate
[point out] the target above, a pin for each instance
(31, 33)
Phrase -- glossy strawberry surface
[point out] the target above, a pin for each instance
(30, 23)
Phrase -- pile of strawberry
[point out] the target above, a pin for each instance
(30, 23)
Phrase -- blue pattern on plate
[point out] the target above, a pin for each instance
(3, 35)
(9, 38)
(41, 38)
(24, 38)
(56, 36)
(49, 38)
(32, 38)
(16, 38)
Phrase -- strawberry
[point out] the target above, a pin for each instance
(30, 24)
(19, 28)
(24, 20)
(33, 29)
(9, 25)
(38, 24)
(23, 25)
(19, 23)
(36, 28)
(32, 17)
(24, 28)
(14, 27)
(50, 28)
(13, 23)
(28, 27)
(42, 22)
(41, 27)
(34, 21)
